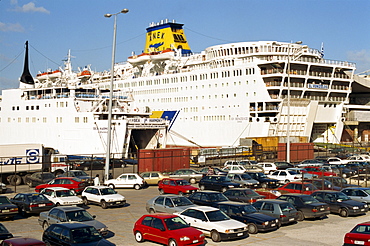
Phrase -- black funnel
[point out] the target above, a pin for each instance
(26, 75)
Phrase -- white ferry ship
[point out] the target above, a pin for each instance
(54, 111)
(234, 91)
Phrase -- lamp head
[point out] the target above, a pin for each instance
(108, 15)
(124, 11)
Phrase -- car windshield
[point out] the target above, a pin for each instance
(308, 200)
(181, 201)
(246, 176)
(250, 193)
(341, 196)
(175, 223)
(80, 215)
(4, 200)
(107, 191)
(292, 172)
(37, 198)
(80, 173)
(64, 193)
(216, 215)
(367, 191)
(84, 235)
(223, 179)
(216, 197)
(47, 176)
(182, 182)
(248, 209)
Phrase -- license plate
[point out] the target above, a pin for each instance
(118, 202)
(362, 209)
(359, 242)
(5, 211)
(272, 225)
(321, 209)
(41, 205)
(291, 219)
(195, 241)
(240, 234)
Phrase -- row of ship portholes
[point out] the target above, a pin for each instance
(263, 119)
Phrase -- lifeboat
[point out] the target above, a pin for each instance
(42, 76)
(139, 59)
(49, 75)
(163, 55)
(85, 74)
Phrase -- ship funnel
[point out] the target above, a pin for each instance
(26, 77)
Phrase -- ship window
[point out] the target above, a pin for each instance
(77, 119)
(33, 119)
(85, 119)
(32, 107)
(13, 108)
(27, 107)
(19, 119)
(27, 120)
(37, 107)
(44, 119)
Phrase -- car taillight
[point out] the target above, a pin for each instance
(252, 200)
(33, 205)
(282, 216)
(13, 209)
(314, 210)
(49, 204)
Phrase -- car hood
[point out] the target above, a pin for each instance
(352, 203)
(113, 197)
(68, 199)
(97, 224)
(223, 225)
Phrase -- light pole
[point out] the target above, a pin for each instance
(288, 111)
(110, 105)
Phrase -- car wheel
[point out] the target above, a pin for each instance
(85, 201)
(181, 193)
(103, 204)
(343, 212)
(224, 189)
(151, 211)
(300, 216)
(161, 191)
(202, 187)
(45, 225)
(57, 204)
(137, 187)
(215, 236)
(139, 237)
(172, 242)
(252, 228)
(192, 181)
(279, 224)
(111, 186)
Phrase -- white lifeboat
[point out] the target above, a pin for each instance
(139, 59)
(42, 76)
(163, 55)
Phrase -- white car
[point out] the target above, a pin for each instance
(62, 196)
(285, 176)
(234, 169)
(126, 180)
(214, 223)
(102, 195)
(267, 166)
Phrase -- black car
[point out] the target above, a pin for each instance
(248, 214)
(73, 234)
(31, 203)
(323, 184)
(38, 178)
(245, 195)
(282, 165)
(306, 205)
(207, 198)
(4, 233)
(88, 165)
(7, 208)
(217, 182)
(265, 182)
(79, 174)
(340, 203)
(339, 181)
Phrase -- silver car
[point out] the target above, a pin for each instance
(168, 204)
(360, 194)
(244, 179)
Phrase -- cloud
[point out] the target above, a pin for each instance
(361, 58)
(30, 7)
(11, 27)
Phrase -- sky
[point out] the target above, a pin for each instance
(52, 27)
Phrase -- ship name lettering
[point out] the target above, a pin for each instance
(155, 35)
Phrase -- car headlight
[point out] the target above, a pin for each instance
(187, 191)
(201, 235)
(365, 206)
(265, 223)
(103, 229)
(276, 221)
(227, 231)
(230, 186)
(355, 207)
(184, 238)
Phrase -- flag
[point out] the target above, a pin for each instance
(322, 50)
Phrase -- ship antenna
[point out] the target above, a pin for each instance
(26, 76)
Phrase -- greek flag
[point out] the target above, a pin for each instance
(322, 50)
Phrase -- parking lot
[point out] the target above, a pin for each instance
(120, 221)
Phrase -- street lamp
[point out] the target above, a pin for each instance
(110, 105)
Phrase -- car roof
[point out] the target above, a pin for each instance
(327, 191)
(294, 194)
(97, 186)
(57, 188)
(356, 188)
(161, 215)
(240, 189)
(207, 191)
(72, 225)
(232, 203)
(272, 201)
(173, 179)
(69, 208)
(23, 241)
(170, 195)
(204, 208)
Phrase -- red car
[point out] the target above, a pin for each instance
(319, 171)
(175, 186)
(22, 241)
(71, 183)
(166, 229)
(359, 235)
(298, 187)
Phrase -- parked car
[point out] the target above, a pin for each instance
(245, 195)
(166, 229)
(153, 177)
(69, 214)
(339, 181)
(188, 174)
(310, 162)
(306, 205)
(303, 173)
(22, 241)
(285, 176)
(297, 187)
(80, 175)
(88, 165)
(207, 198)
(168, 204)
(360, 194)
(234, 169)
(267, 166)
(244, 179)
(4, 233)
(323, 184)
(217, 182)
(341, 170)
(283, 165)
(216, 171)
(319, 171)
(74, 234)
(103, 196)
(38, 178)
(61, 196)
(282, 210)
(176, 186)
(71, 183)
(248, 214)
(126, 180)
(340, 203)
(359, 235)
(265, 182)
(7, 209)
(31, 203)
(214, 223)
